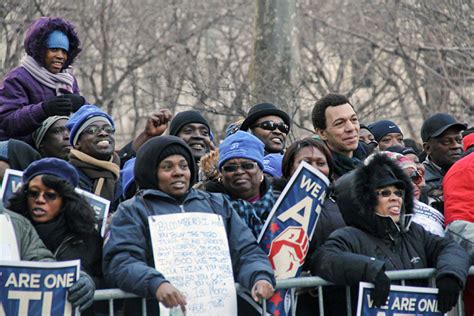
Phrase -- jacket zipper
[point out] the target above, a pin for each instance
(182, 208)
(61, 245)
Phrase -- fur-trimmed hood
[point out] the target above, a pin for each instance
(38, 32)
(356, 197)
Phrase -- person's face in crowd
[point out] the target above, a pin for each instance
(366, 136)
(174, 175)
(314, 157)
(44, 204)
(56, 141)
(54, 59)
(418, 179)
(242, 177)
(97, 140)
(342, 129)
(446, 149)
(196, 135)
(389, 201)
(390, 139)
(3, 167)
(272, 131)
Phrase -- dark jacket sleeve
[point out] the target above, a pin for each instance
(249, 261)
(444, 254)
(128, 256)
(337, 262)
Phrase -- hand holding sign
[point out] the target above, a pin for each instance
(262, 289)
(381, 288)
(449, 288)
(170, 296)
(81, 294)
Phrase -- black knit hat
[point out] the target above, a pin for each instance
(153, 152)
(263, 109)
(186, 117)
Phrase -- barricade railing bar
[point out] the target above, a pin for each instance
(302, 282)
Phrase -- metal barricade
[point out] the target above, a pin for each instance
(303, 282)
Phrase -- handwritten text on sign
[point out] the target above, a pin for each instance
(191, 251)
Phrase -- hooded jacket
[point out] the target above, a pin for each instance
(128, 260)
(372, 243)
(21, 95)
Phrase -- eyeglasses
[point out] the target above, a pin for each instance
(94, 130)
(271, 126)
(48, 196)
(245, 166)
(416, 177)
(387, 193)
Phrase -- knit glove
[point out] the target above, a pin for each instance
(59, 105)
(381, 289)
(76, 100)
(81, 294)
(448, 287)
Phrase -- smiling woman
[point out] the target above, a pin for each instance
(42, 85)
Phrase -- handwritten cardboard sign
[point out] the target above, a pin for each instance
(192, 252)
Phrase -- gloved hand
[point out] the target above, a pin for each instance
(81, 294)
(448, 287)
(381, 289)
(76, 100)
(59, 105)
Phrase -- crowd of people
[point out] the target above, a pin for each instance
(392, 204)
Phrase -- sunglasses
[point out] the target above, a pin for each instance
(416, 177)
(48, 196)
(94, 130)
(387, 193)
(271, 126)
(245, 166)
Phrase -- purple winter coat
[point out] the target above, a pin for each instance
(22, 96)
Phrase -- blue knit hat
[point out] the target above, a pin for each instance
(58, 39)
(54, 167)
(381, 128)
(127, 176)
(241, 145)
(85, 116)
(272, 164)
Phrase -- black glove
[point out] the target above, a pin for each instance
(76, 100)
(81, 294)
(59, 105)
(448, 287)
(381, 289)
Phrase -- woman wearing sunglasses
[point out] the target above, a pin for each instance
(64, 221)
(376, 202)
(428, 217)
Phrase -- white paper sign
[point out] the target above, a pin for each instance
(192, 252)
(8, 243)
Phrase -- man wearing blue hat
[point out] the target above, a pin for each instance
(92, 137)
(386, 134)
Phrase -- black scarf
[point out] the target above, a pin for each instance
(53, 232)
(343, 164)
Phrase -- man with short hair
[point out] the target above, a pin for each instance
(269, 124)
(386, 134)
(336, 122)
(194, 129)
(442, 142)
(52, 138)
(92, 137)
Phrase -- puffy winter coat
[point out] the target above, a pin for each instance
(22, 96)
(372, 243)
(128, 257)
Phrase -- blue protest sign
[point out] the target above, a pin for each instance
(290, 226)
(12, 182)
(402, 300)
(36, 288)
(101, 207)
